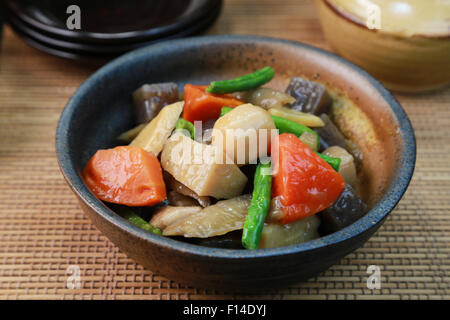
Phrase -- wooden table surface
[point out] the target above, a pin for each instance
(43, 231)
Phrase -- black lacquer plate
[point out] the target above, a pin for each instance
(115, 22)
(95, 53)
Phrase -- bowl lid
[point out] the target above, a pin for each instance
(119, 21)
(75, 50)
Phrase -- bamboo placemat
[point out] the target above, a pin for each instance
(43, 231)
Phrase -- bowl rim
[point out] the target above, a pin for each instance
(377, 214)
(353, 19)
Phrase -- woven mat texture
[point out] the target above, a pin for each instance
(43, 231)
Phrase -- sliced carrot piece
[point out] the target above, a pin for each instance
(126, 175)
(200, 105)
(305, 183)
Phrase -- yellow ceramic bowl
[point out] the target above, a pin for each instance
(405, 44)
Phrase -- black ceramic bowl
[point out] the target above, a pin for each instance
(101, 109)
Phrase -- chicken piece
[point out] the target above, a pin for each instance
(199, 167)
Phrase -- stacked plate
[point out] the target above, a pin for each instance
(107, 30)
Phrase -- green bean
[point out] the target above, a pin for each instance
(183, 124)
(244, 83)
(225, 110)
(333, 162)
(287, 126)
(136, 220)
(259, 207)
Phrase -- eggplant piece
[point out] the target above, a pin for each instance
(150, 98)
(347, 209)
(310, 97)
(265, 97)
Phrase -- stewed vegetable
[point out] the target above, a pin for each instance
(306, 183)
(149, 99)
(126, 175)
(243, 133)
(153, 136)
(233, 165)
(311, 97)
(246, 82)
(259, 207)
(135, 219)
(201, 105)
(266, 98)
(199, 168)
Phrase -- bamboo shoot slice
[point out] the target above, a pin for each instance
(156, 133)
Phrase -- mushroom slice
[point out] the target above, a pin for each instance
(266, 98)
(215, 220)
(180, 200)
(175, 185)
(168, 215)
